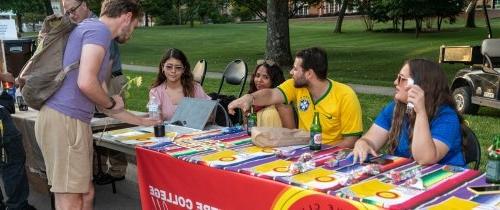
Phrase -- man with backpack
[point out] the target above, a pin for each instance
(63, 129)
(78, 11)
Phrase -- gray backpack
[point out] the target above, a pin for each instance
(43, 74)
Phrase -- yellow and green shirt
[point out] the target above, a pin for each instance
(339, 110)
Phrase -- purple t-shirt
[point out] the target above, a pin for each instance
(69, 100)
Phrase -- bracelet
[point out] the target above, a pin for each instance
(113, 103)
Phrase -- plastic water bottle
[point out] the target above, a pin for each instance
(154, 113)
(20, 101)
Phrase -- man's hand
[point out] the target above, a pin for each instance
(120, 105)
(149, 122)
(6, 76)
(244, 103)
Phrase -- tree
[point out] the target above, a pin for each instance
(257, 7)
(470, 12)
(340, 18)
(22, 7)
(278, 37)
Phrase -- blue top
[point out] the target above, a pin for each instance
(114, 55)
(445, 127)
(68, 99)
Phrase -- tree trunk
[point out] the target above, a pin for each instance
(19, 23)
(439, 21)
(340, 19)
(402, 24)
(48, 7)
(418, 26)
(179, 14)
(470, 22)
(278, 35)
(146, 19)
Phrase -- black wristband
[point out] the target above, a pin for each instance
(113, 103)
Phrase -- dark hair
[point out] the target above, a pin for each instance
(314, 58)
(187, 80)
(275, 73)
(115, 8)
(433, 81)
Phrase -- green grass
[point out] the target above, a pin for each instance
(486, 124)
(355, 56)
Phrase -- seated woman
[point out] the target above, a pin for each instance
(268, 74)
(173, 82)
(430, 132)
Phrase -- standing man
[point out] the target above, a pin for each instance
(79, 11)
(310, 91)
(63, 129)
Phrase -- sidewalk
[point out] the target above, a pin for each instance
(365, 89)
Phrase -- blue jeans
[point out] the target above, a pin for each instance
(13, 172)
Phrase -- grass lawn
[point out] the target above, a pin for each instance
(486, 124)
(355, 56)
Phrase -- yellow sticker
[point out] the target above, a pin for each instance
(315, 174)
(370, 188)
(255, 149)
(277, 165)
(454, 203)
(219, 155)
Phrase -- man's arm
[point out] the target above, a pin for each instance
(263, 97)
(90, 64)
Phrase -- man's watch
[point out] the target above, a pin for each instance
(113, 103)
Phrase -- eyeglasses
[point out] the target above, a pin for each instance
(174, 67)
(73, 9)
(268, 62)
(401, 78)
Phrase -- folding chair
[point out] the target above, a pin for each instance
(199, 71)
(235, 74)
(471, 147)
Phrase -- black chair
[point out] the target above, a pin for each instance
(471, 147)
(235, 74)
(199, 71)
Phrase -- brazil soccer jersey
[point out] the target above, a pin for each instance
(339, 109)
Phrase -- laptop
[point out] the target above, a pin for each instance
(193, 112)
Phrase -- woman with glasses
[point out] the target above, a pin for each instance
(421, 123)
(268, 74)
(173, 82)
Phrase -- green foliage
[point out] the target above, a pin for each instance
(242, 12)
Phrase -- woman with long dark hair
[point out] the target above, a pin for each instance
(268, 74)
(173, 82)
(421, 123)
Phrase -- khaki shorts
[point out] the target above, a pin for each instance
(66, 145)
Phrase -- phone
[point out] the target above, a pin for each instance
(486, 189)
(409, 106)
(379, 161)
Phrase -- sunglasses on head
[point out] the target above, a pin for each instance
(268, 62)
(73, 9)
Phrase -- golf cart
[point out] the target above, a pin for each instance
(479, 84)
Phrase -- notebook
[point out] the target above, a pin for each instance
(193, 112)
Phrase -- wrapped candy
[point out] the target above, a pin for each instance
(332, 162)
(295, 168)
(305, 157)
(372, 169)
(283, 153)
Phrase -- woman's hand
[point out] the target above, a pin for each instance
(361, 150)
(146, 121)
(416, 96)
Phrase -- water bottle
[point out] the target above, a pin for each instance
(154, 113)
(20, 101)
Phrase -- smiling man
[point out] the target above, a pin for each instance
(310, 91)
